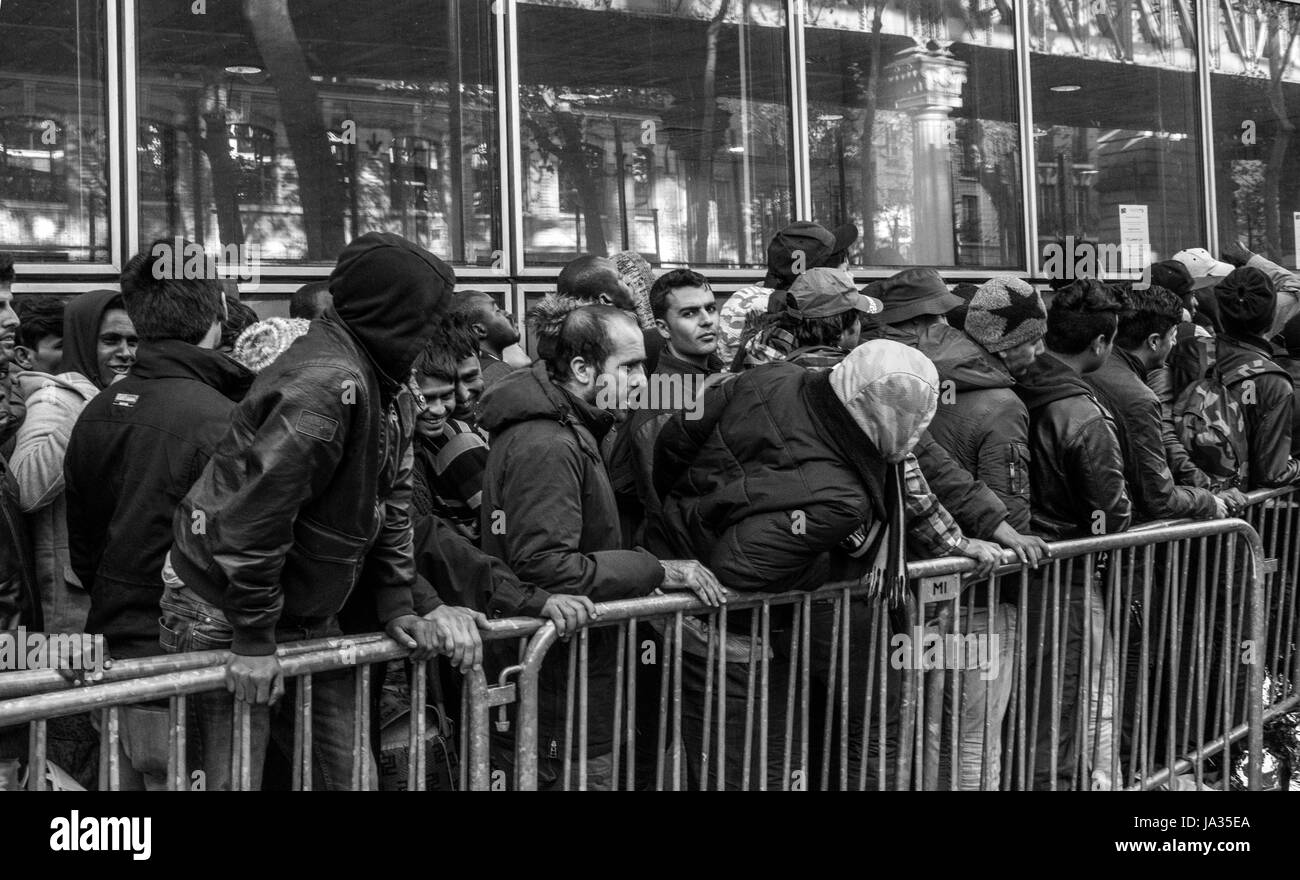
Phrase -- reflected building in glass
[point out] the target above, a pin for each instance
(511, 135)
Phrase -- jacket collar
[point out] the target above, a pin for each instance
(669, 364)
(173, 359)
(1129, 361)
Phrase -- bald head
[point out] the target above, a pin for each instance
(592, 279)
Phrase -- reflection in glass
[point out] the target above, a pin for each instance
(912, 124)
(1255, 93)
(294, 127)
(54, 201)
(1115, 124)
(655, 127)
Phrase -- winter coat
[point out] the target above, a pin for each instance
(548, 511)
(135, 451)
(1267, 400)
(981, 422)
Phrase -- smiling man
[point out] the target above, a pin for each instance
(450, 453)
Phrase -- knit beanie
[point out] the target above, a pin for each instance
(263, 342)
(1005, 312)
(1246, 300)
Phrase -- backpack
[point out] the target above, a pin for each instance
(1211, 422)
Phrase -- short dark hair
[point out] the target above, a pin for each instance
(452, 341)
(6, 268)
(670, 281)
(168, 308)
(38, 317)
(470, 304)
(585, 334)
(305, 300)
(238, 318)
(587, 277)
(817, 331)
(1080, 312)
(1153, 310)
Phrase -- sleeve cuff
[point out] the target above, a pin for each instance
(254, 641)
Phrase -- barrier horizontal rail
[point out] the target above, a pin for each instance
(909, 763)
(34, 697)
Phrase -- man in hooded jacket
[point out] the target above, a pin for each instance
(306, 499)
(99, 346)
(789, 479)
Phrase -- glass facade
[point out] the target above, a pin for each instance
(511, 135)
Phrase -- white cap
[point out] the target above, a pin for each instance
(1204, 269)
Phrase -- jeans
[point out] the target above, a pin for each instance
(550, 771)
(142, 746)
(189, 623)
(1081, 705)
(985, 697)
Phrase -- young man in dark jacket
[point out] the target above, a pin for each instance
(134, 452)
(548, 511)
(1247, 303)
(1145, 337)
(307, 497)
(1077, 489)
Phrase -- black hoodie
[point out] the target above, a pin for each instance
(308, 494)
(81, 320)
(1076, 470)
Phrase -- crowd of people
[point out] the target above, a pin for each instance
(182, 476)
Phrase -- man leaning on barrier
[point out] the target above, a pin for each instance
(549, 512)
(793, 478)
(307, 498)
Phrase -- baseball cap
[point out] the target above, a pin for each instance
(1205, 270)
(813, 240)
(823, 292)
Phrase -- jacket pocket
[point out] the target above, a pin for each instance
(320, 569)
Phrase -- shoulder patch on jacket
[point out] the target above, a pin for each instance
(127, 400)
(316, 425)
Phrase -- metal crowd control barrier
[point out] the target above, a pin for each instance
(35, 698)
(1139, 660)
(1129, 660)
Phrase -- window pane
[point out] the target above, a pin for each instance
(53, 131)
(1115, 125)
(655, 127)
(295, 127)
(914, 133)
(1255, 93)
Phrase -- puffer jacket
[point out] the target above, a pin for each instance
(53, 404)
(548, 511)
(308, 494)
(981, 422)
(772, 441)
(1077, 473)
(1120, 386)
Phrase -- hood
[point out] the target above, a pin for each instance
(30, 381)
(528, 395)
(961, 360)
(1047, 380)
(174, 359)
(891, 391)
(389, 293)
(81, 320)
